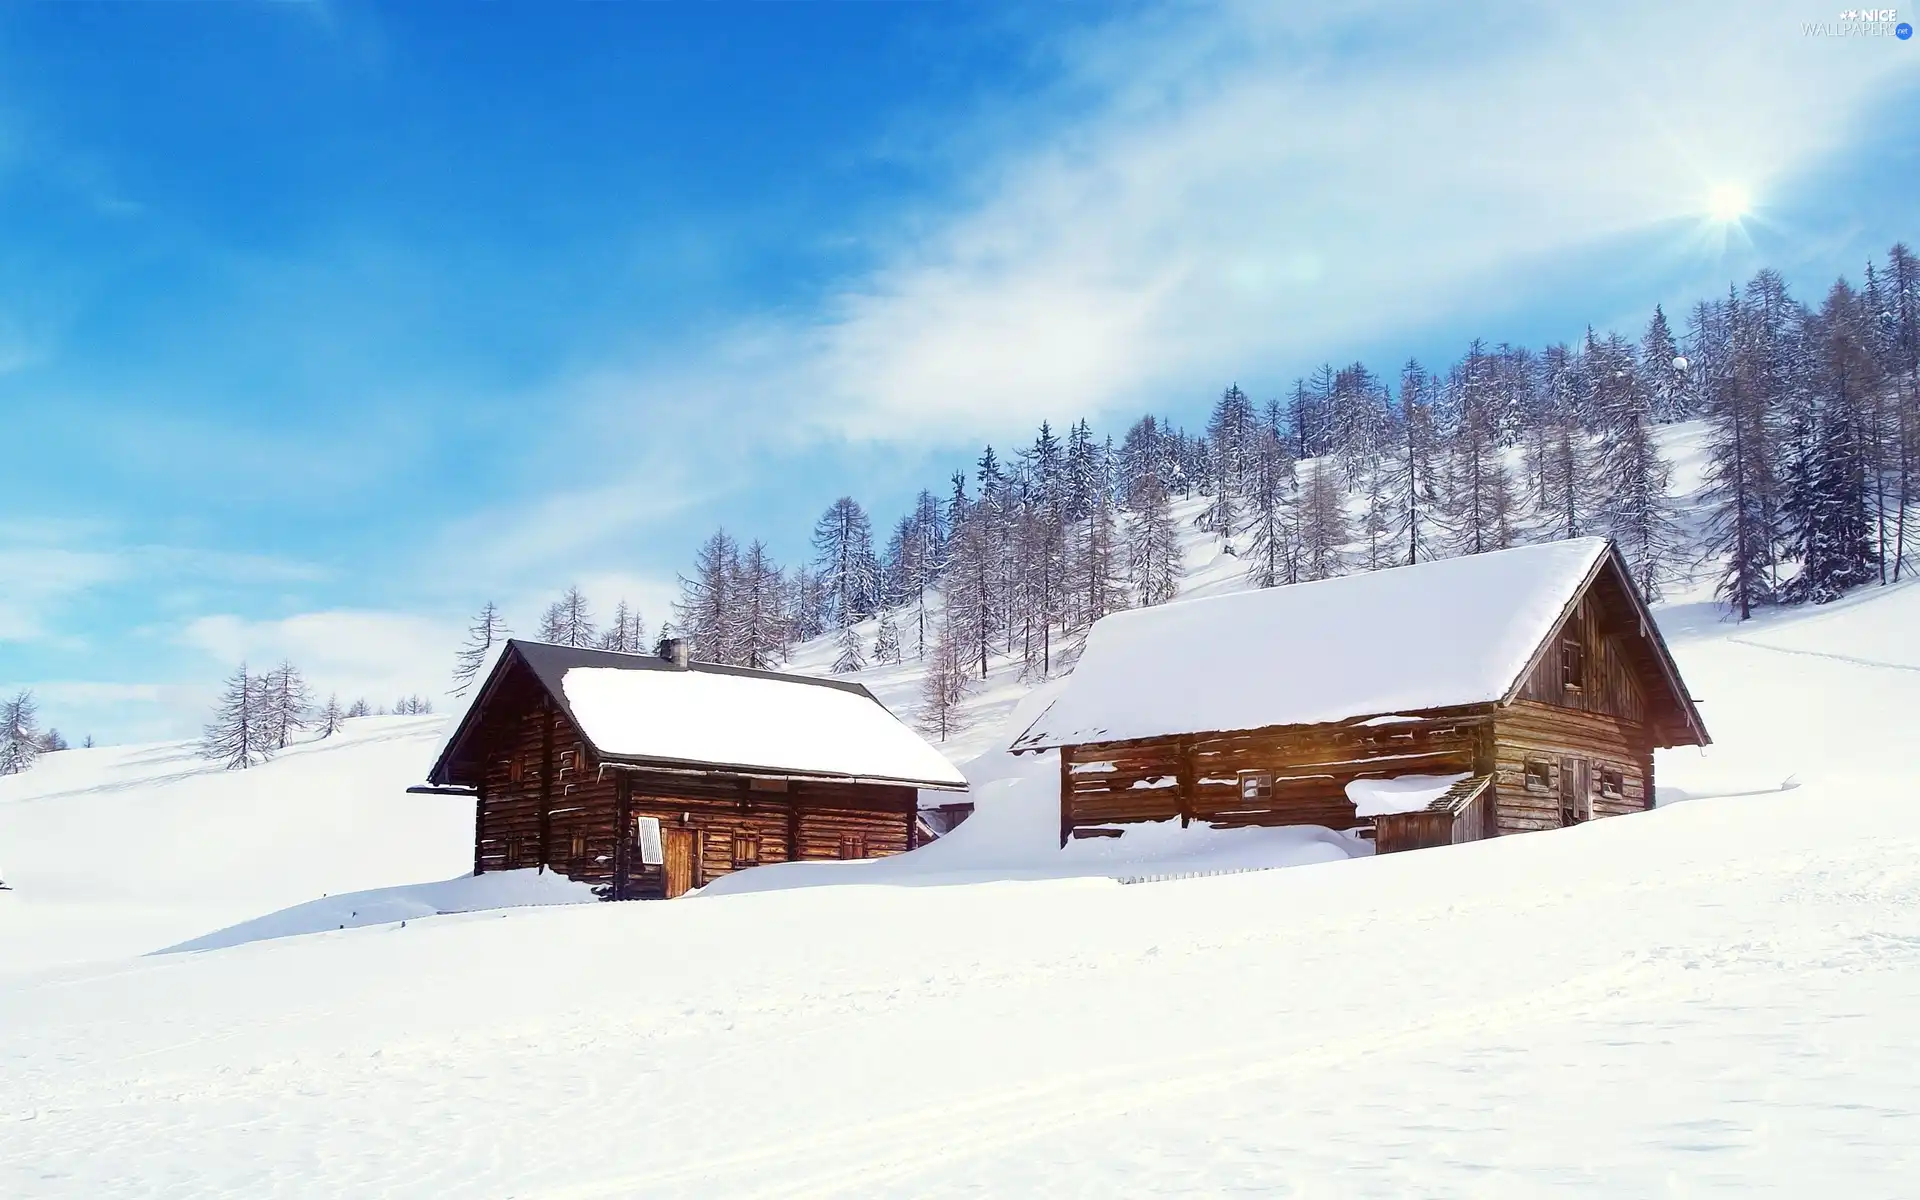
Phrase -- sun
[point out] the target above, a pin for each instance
(1728, 202)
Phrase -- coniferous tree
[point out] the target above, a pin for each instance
(287, 704)
(568, 621)
(54, 742)
(240, 735)
(1413, 474)
(489, 629)
(359, 708)
(1153, 548)
(1633, 501)
(1665, 376)
(759, 622)
(705, 613)
(1739, 468)
(969, 586)
(1323, 523)
(1480, 494)
(850, 656)
(943, 688)
(848, 571)
(627, 633)
(1825, 505)
(330, 718)
(20, 739)
(1273, 518)
(1094, 555)
(886, 641)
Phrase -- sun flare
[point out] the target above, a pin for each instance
(1728, 202)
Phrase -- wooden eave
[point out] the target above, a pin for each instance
(1457, 712)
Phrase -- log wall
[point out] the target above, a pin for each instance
(1612, 684)
(1199, 777)
(1528, 731)
(546, 800)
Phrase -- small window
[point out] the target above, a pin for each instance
(1256, 785)
(579, 845)
(1612, 784)
(515, 772)
(746, 850)
(1539, 775)
(513, 853)
(646, 831)
(1573, 664)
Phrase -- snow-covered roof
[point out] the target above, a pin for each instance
(1455, 631)
(758, 721)
(640, 709)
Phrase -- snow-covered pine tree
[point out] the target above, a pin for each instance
(1479, 493)
(760, 625)
(1153, 548)
(1901, 301)
(1376, 518)
(330, 718)
(705, 613)
(886, 640)
(928, 557)
(288, 703)
(1826, 505)
(568, 621)
(488, 630)
(1230, 430)
(1323, 522)
(54, 742)
(359, 708)
(1094, 556)
(969, 585)
(1666, 381)
(1633, 500)
(20, 738)
(1413, 472)
(1568, 470)
(1739, 473)
(849, 656)
(240, 735)
(1272, 516)
(943, 687)
(1362, 422)
(843, 555)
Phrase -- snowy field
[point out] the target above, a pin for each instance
(1714, 998)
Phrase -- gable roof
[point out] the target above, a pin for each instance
(1442, 634)
(642, 710)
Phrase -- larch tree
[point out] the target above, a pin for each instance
(1413, 472)
(330, 718)
(626, 633)
(1153, 548)
(20, 737)
(705, 613)
(488, 630)
(943, 686)
(568, 621)
(240, 734)
(288, 703)
(1323, 522)
(843, 557)
(886, 640)
(1739, 474)
(759, 596)
(1273, 525)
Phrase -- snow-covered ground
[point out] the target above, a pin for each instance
(1712, 998)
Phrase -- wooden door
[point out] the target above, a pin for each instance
(681, 847)
(1576, 790)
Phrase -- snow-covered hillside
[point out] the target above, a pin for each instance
(1709, 998)
(123, 849)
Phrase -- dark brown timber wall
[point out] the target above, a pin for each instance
(1198, 777)
(545, 800)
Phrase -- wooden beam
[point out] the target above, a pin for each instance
(546, 779)
(1188, 779)
(479, 827)
(1066, 795)
(793, 830)
(622, 833)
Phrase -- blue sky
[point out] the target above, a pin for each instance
(322, 323)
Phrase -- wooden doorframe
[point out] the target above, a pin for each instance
(686, 837)
(1576, 790)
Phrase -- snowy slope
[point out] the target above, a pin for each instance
(123, 849)
(1713, 998)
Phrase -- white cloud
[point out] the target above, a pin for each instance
(1256, 186)
(379, 655)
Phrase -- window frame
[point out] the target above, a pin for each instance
(1613, 783)
(744, 839)
(1262, 782)
(1573, 664)
(1543, 781)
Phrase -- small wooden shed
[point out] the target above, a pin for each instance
(1445, 702)
(647, 776)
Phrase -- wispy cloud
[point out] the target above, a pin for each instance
(355, 653)
(1242, 187)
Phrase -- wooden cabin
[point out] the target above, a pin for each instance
(1446, 702)
(648, 776)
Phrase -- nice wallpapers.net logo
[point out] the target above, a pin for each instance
(1861, 23)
